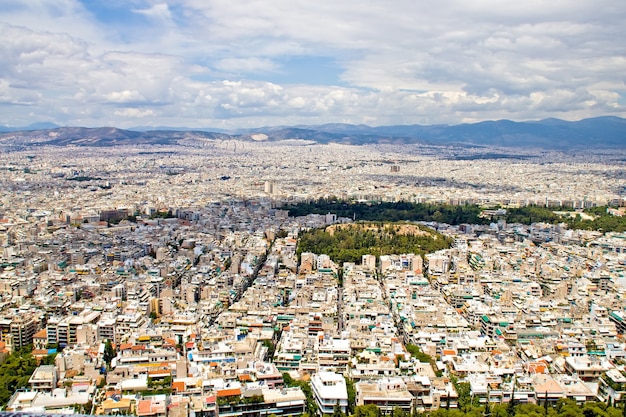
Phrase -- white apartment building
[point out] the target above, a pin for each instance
(329, 389)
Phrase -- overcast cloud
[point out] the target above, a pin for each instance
(244, 63)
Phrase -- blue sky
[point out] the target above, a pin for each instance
(245, 63)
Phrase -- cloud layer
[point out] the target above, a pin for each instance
(201, 63)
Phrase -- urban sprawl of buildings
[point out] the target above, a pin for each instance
(184, 261)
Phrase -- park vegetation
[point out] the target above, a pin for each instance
(16, 370)
(390, 211)
(600, 220)
(348, 243)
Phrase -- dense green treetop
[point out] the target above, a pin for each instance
(457, 214)
(562, 408)
(391, 212)
(348, 243)
(15, 372)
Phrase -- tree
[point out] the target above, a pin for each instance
(270, 348)
(369, 410)
(15, 372)
(568, 408)
(311, 405)
(511, 406)
(398, 412)
(337, 410)
(351, 395)
(49, 359)
(109, 353)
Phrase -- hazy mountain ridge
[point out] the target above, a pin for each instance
(607, 132)
(32, 126)
(103, 136)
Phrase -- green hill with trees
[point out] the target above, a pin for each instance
(348, 243)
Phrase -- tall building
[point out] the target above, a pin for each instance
(369, 262)
(23, 329)
(63, 330)
(18, 330)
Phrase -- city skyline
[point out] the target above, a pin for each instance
(198, 64)
(192, 277)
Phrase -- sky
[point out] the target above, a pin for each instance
(248, 63)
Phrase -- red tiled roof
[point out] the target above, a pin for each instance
(112, 393)
(161, 372)
(229, 392)
(143, 407)
(41, 334)
(148, 407)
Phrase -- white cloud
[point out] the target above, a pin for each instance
(159, 12)
(401, 61)
(134, 113)
(125, 96)
(17, 96)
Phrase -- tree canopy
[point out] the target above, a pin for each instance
(457, 214)
(351, 242)
(391, 211)
(15, 372)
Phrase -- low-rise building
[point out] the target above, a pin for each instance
(386, 394)
(329, 390)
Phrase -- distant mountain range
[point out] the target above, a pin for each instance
(600, 132)
(33, 126)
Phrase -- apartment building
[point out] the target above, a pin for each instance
(329, 389)
(44, 378)
(386, 394)
(64, 330)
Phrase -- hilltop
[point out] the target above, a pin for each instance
(600, 132)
